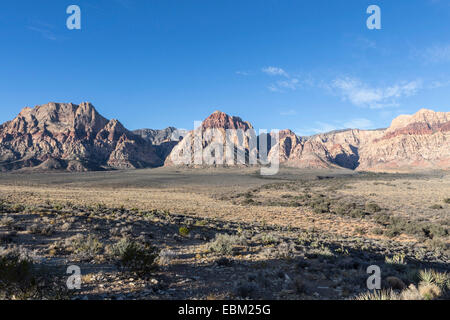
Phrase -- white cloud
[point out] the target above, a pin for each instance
(438, 84)
(242, 73)
(282, 85)
(362, 95)
(275, 71)
(45, 31)
(290, 112)
(437, 53)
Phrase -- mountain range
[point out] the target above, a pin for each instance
(66, 136)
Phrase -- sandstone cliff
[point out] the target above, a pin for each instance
(419, 141)
(71, 137)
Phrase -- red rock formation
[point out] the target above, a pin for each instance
(420, 141)
(72, 137)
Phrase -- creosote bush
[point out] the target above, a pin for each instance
(22, 278)
(88, 247)
(135, 257)
(224, 243)
(183, 231)
(16, 271)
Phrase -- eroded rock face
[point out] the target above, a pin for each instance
(77, 138)
(419, 141)
(163, 140)
(71, 137)
(207, 145)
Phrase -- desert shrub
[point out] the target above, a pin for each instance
(6, 221)
(397, 259)
(269, 238)
(135, 257)
(341, 210)
(87, 247)
(411, 293)
(321, 207)
(436, 207)
(224, 243)
(378, 231)
(23, 278)
(323, 251)
(16, 208)
(306, 237)
(46, 230)
(16, 268)
(183, 231)
(440, 279)
(447, 200)
(397, 225)
(429, 291)
(372, 207)
(165, 257)
(357, 213)
(201, 223)
(379, 295)
(18, 277)
(248, 201)
(58, 206)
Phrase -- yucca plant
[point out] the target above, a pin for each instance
(378, 295)
(441, 279)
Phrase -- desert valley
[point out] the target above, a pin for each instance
(77, 189)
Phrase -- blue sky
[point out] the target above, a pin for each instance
(306, 65)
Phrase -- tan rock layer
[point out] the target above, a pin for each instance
(419, 141)
(72, 137)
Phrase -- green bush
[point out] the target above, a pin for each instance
(183, 231)
(441, 279)
(135, 257)
(16, 270)
(88, 247)
(22, 278)
(224, 243)
(372, 207)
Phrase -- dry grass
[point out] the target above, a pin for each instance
(204, 193)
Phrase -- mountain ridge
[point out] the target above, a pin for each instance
(74, 137)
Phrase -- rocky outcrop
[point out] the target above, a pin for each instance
(156, 137)
(71, 137)
(220, 140)
(77, 138)
(163, 140)
(419, 141)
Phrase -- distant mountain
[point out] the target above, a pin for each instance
(71, 137)
(163, 140)
(156, 136)
(77, 138)
(205, 138)
(420, 141)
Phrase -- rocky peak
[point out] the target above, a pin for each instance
(221, 120)
(76, 136)
(424, 119)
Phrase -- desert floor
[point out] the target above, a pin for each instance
(302, 234)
